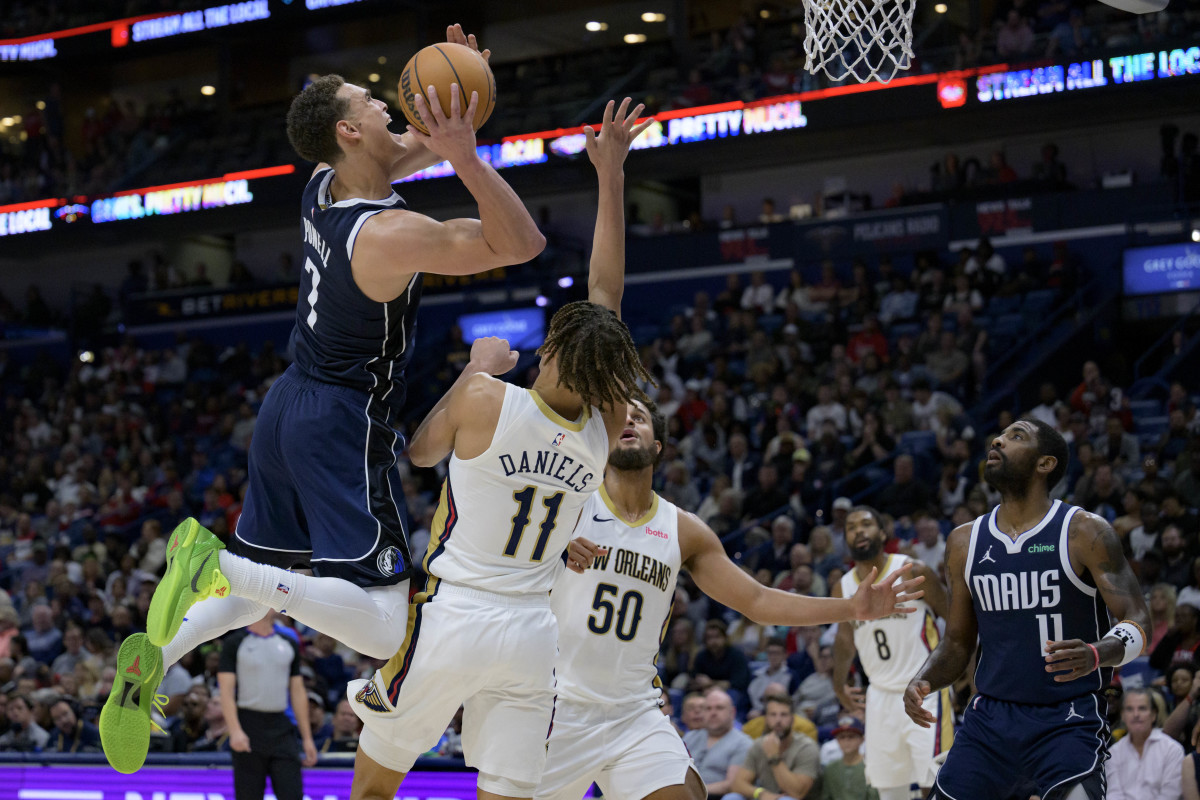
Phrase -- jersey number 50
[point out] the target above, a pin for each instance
(628, 615)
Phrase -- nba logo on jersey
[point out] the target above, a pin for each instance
(559, 438)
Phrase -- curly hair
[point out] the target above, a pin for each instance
(595, 354)
(313, 117)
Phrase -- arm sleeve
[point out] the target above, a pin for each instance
(229, 648)
(295, 668)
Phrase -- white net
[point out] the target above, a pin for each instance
(868, 40)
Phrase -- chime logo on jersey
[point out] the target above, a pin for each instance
(559, 439)
(1012, 591)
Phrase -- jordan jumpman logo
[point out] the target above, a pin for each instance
(1073, 714)
(987, 556)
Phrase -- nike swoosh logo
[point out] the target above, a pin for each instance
(596, 518)
(199, 572)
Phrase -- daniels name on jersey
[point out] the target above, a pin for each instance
(612, 618)
(556, 465)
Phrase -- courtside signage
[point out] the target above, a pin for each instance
(1076, 76)
(232, 189)
(59, 782)
(193, 21)
(1160, 270)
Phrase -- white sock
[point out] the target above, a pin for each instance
(371, 621)
(208, 620)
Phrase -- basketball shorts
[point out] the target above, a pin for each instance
(628, 750)
(323, 490)
(1001, 746)
(492, 654)
(898, 751)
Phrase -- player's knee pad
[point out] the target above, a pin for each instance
(506, 787)
(392, 602)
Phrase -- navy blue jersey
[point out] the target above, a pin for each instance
(1025, 593)
(342, 336)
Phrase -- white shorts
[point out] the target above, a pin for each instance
(630, 751)
(492, 654)
(898, 751)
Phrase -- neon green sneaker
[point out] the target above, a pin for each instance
(125, 721)
(193, 574)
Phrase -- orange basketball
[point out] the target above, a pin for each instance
(440, 65)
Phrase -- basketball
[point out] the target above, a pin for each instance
(440, 65)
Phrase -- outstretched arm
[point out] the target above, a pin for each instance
(1096, 548)
(607, 151)
(947, 662)
(725, 582)
(436, 436)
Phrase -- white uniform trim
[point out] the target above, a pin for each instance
(1014, 545)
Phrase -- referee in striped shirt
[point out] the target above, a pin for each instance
(259, 669)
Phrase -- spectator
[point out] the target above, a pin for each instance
(192, 724)
(759, 296)
(846, 777)
(720, 748)
(826, 408)
(1047, 409)
(216, 731)
(1014, 40)
(1118, 447)
(694, 713)
(1144, 538)
(678, 659)
(1190, 594)
(765, 498)
(986, 267)
(1146, 764)
(948, 365)
(1174, 512)
(775, 555)
(24, 735)
(867, 341)
(930, 546)
(780, 764)
(1177, 568)
(71, 734)
(815, 698)
(900, 302)
(73, 653)
(1103, 493)
(767, 216)
(962, 297)
(801, 578)
(907, 494)
(932, 410)
(724, 666)
(775, 671)
(1179, 645)
(44, 640)
(1162, 608)
(346, 729)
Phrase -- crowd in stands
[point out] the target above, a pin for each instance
(785, 399)
(153, 140)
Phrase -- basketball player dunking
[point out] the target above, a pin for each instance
(891, 650)
(522, 464)
(323, 487)
(1032, 579)
(608, 727)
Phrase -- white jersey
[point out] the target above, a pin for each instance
(506, 516)
(892, 649)
(611, 619)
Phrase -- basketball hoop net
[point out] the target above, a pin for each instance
(868, 40)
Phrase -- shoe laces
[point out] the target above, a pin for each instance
(160, 705)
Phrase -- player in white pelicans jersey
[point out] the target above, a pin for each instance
(898, 752)
(522, 464)
(608, 726)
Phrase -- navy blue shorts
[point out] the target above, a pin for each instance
(1002, 747)
(323, 489)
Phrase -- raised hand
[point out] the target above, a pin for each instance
(608, 148)
(455, 35)
(451, 137)
(493, 355)
(874, 600)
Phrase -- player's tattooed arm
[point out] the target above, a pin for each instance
(1095, 550)
(952, 655)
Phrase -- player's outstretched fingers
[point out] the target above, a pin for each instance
(424, 112)
(434, 104)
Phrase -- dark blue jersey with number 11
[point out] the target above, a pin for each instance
(1025, 593)
(341, 335)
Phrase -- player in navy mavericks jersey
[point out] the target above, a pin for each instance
(324, 490)
(1036, 580)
